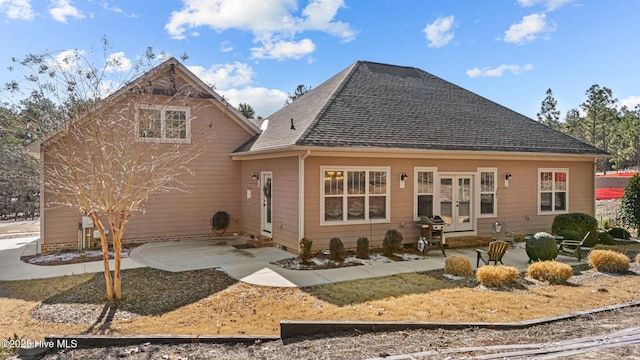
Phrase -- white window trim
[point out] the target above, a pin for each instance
(163, 110)
(553, 191)
(416, 170)
(345, 169)
(479, 191)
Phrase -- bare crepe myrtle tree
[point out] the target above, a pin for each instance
(106, 157)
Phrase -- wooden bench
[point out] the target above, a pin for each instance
(572, 247)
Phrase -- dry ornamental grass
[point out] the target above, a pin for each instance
(609, 261)
(458, 265)
(497, 275)
(552, 272)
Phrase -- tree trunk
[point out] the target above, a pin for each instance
(118, 227)
(105, 256)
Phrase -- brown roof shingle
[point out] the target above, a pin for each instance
(373, 105)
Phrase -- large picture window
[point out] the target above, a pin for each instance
(424, 190)
(352, 195)
(169, 124)
(553, 191)
(488, 186)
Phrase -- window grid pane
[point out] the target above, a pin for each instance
(425, 182)
(150, 123)
(377, 182)
(176, 124)
(333, 182)
(356, 182)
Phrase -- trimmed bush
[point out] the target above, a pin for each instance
(552, 272)
(608, 247)
(542, 246)
(362, 248)
(631, 202)
(336, 249)
(609, 261)
(574, 226)
(605, 238)
(458, 265)
(497, 275)
(619, 233)
(391, 242)
(305, 247)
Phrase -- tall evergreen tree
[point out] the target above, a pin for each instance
(549, 115)
(246, 110)
(601, 117)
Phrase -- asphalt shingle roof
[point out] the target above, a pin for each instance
(373, 105)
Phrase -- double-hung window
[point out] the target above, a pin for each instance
(553, 191)
(488, 186)
(354, 195)
(164, 123)
(424, 190)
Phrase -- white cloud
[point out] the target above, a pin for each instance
(115, 9)
(274, 24)
(550, 5)
(498, 71)
(226, 46)
(528, 29)
(283, 50)
(17, 9)
(68, 59)
(438, 33)
(224, 76)
(118, 62)
(631, 102)
(60, 10)
(264, 101)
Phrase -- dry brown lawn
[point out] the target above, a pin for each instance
(209, 302)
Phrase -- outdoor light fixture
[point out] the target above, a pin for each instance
(256, 176)
(403, 176)
(507, 177)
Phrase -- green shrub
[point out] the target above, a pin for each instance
(392, 242)
(362, 248)
(605, 238)
(458, 265)
(551, 271)
(542, 246)
(608, 261)
(574, 226)
(336, 249)
(631, 202)
(619, 233)
(497, 275)
(305, 253)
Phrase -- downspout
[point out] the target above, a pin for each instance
(301, 194)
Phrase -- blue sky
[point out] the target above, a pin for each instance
(256, 51)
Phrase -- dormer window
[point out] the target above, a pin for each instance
(164, 123)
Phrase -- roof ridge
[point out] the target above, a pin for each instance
(351, 70)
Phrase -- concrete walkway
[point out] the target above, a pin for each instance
(12, 268)
(248, 265)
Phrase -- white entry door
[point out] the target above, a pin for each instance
(266, 213)
(456, 202)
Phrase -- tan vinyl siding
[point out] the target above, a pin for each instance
(213, 187)
(516, 204)
(284, 173)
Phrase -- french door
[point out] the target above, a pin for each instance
(456, 202)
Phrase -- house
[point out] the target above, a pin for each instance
(214, 185)
(371, 149)
(376, 146)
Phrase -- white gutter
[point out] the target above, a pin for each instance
(301, 159)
